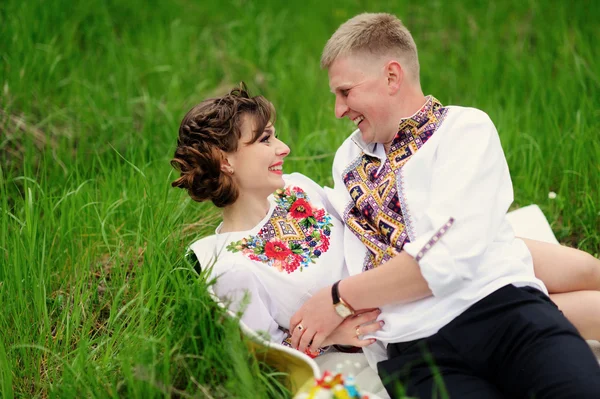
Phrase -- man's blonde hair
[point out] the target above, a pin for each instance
(377, 34)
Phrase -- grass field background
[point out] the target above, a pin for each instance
(96, 299)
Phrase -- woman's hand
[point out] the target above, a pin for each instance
(314, 321)
(352, 328)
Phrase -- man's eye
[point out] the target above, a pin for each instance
(345, 92)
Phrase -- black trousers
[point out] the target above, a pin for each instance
(514, 343)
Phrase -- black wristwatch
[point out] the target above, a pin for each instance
(341, 307)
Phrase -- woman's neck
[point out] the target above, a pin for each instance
(244, 213)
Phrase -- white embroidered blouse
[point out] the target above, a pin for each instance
(271, 269)
(441, 194)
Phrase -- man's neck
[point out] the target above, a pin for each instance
(411, 105)
(407, 108)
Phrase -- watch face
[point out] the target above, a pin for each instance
(342, 310)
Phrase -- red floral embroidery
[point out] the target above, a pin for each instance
(277, 250)
(325, 244)
(254, 257)
(292, 263)
(312, 224)
(319, 214)
(301, 209)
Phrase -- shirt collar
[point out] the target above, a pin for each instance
(375, 149)
(367, 148)
(422, 112)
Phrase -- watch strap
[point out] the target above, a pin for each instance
(335, 293)
(337, 299)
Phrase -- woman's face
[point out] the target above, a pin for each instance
(258, 167)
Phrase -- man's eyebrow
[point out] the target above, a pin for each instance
(342, 87)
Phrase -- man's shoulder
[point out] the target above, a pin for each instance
(351, 140)
(456, 114)
(466, 125)
(347, 151)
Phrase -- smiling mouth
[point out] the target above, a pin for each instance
(276, 169)
(358, 120)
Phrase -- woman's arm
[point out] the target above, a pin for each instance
(245, 295)
(349, 332)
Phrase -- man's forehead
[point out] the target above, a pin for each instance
(349, 70)
(342, 74)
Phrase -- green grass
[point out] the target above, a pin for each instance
(96, 298)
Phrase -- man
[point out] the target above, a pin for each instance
(423, 190)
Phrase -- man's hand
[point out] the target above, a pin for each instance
(314, 321)
(353, 327)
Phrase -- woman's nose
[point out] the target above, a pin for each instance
(283, 150)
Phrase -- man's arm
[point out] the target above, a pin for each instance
(379, 286)
(471, 184)
(370, 289)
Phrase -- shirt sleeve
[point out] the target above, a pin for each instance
(242, 292)
(471, 192)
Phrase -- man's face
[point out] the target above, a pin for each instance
(362, 95)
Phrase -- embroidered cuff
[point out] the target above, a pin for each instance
(434, 239)
(437, 260)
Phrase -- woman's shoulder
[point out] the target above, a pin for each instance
(211, 252)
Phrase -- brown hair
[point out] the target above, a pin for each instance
(378, 34)
(208, 131)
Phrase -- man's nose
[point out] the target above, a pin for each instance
(340, 107)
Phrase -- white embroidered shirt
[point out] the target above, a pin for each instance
(271, 269)
(447, 178)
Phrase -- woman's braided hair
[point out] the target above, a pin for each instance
(209, 131)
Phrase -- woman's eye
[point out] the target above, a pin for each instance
(265, 139)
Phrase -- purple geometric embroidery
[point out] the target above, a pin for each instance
(375, 214)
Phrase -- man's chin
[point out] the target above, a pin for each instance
(366, 137)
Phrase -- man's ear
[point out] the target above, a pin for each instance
(395, 75)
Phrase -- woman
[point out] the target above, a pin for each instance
(280, 248)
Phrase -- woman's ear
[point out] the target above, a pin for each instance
(226, 166)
